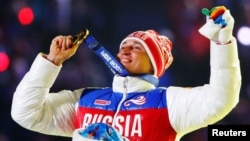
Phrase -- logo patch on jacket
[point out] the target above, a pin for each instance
(102, 102)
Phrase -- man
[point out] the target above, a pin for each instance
(134, 106)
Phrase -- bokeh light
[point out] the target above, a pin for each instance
(243, 35)
(26, 16)
(4, 61)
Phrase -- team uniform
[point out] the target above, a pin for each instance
(134, 107)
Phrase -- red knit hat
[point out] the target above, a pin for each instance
(158, 48)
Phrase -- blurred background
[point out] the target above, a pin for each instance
(28, 26)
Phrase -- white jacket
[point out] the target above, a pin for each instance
(35, 108)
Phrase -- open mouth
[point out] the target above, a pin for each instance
(125, 60)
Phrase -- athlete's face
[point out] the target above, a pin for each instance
(134, 58)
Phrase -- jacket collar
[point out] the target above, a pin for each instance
(128, 84)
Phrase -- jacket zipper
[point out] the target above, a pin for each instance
(120, 103)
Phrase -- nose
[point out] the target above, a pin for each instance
(125, 50)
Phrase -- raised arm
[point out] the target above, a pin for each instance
(194, 108)
(33, 106)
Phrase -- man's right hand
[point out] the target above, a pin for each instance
(61, 49)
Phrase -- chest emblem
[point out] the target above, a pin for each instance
(140, 100)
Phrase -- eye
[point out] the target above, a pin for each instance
(122, 47)
(137, 47)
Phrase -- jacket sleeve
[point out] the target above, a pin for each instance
(197, 107)
(36, 109)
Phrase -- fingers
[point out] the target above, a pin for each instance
(66, 42)
(227, 16)
(62, 42)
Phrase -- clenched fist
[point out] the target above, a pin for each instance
(61, 49)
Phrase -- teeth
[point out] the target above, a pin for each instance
(125, 60)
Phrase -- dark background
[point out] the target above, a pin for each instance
(110, 21)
